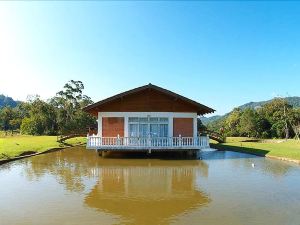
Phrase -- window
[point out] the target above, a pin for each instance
(144, 126)
(133, 130)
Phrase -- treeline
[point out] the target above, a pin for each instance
(61, 114)
(275, 119)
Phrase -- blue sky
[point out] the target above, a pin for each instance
(222, 54)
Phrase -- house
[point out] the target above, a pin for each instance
(147, 118)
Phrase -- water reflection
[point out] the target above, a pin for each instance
(269, 166)
(76, 186)
(69, 167)
(148, 192)
(140, 191)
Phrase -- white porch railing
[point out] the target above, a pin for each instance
(116, 143)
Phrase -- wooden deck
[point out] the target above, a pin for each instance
(150, 143)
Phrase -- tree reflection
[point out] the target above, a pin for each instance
(69, 167)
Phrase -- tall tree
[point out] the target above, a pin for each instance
(69, 103)
(41, 119)
(249, 123)
(277, 112)
(6, 116)
(232, 123)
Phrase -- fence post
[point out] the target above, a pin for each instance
(118, 140)
(149, 140)
(180, 140)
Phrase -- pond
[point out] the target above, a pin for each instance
(76, 186)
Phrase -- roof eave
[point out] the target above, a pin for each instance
(198, 105)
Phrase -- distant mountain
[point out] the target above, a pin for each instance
(7, 101)
(207, 120)
(294, 101)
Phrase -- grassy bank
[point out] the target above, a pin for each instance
(12, 146)
(289, 149)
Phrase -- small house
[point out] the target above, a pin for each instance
(147, 118)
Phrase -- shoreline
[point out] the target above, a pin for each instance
(239, 149)
(3, 161)
(214, 146)
(284, 159)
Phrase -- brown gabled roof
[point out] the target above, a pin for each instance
(201, 109)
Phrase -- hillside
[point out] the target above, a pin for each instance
(294, 101)
(7, 101)
(206, 120)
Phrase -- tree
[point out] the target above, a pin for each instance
(248, 123)
(278, 113)
(217, 125)
(200, 126)
(61, 114)
(6, 115)
(29, 126)
(232, 123)
(263, 126)
(69, 103)
(41, 119)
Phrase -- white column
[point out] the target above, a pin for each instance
(99, 124)
(170, 131)
(195, 126)
(125, 126)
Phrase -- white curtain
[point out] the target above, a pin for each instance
(133, 130)
(163, 130)
(154, 130)
(143, 130)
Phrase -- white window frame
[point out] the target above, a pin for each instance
(148, 123)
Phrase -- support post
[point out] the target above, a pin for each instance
(99, 124)
(195, 127)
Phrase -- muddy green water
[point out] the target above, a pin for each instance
(75, 186)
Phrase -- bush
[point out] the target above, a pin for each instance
(28, 126)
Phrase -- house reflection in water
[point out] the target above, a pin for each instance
(148, 192)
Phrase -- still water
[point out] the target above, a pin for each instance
(76, 186)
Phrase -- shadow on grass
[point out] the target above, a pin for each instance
(252, 151)
(64, 144)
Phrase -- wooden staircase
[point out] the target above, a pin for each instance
(216, 136)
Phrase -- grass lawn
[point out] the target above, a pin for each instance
(12, 146)
(270, 147)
